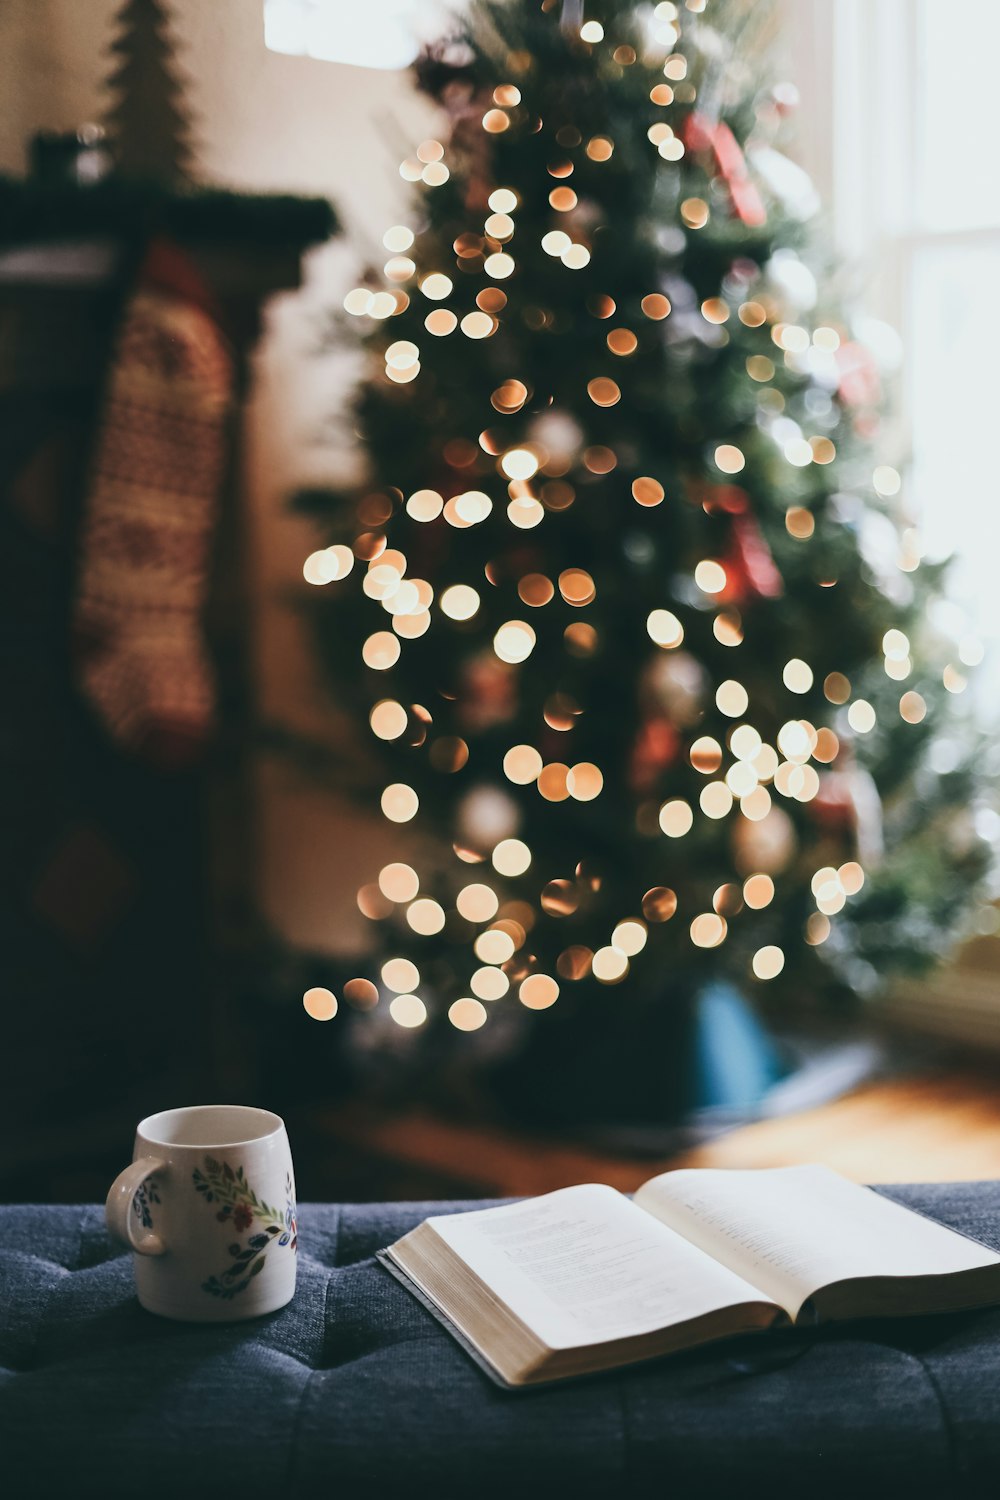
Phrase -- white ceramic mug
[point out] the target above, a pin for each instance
(208, 1206)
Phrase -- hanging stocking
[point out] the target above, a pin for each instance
(149, 517)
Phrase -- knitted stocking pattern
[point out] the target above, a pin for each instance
(149, 517)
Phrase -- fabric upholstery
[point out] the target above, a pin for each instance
(355, 1390)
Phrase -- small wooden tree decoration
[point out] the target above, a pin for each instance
(147, 122)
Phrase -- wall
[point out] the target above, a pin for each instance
(262, 121)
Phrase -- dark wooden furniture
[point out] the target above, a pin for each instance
(126, 895)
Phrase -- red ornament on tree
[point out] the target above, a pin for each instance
(750, 569)
(859, 383)
(702, 135)
(655, 749)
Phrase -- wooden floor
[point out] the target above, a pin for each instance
(933, 1129)
(942, 1126)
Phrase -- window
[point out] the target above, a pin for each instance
(909, 166)
(898, 128)
(370, 33)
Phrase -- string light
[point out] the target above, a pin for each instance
(553, 782)
(477, 903)
(706, 755)
(610, 965)
(603, 391)
(729, 459)
(817, 928)
(460, 602)
(469, 508)
(388, 719)
(519, 463)
(694, 213)
(797, 676)
(467, 1014)
(514, 642)
(399, 268)
(398, 238)
(647, 491)
(499, 226)
(574, 963)
(886, 481)
(478, 325)
(399, 802)
(319, 568)
(731, 698)
(708, 930)
(659, 904)
(358, 301)
(400, 974)
(380, 651)
(742, 779)
(727, 628)
(535, 590)
(441, 322)
(655, 306)
(399, 882)
(768, 962)
(489, 983)
(756, 805)
(361, 993)
(758, 891)
(538, 992)
(372, 904)
(522, 765)
(494, 946)
(912, 708)
(577, 587)
(584, 781)
(715, 799)
(575, 256)
(629, 937)
(382, 305)
(511, 857)
(710, 577)
(499, 265)
(408, 1011)
(861, 716)
(425, 916)
(320, 1004)
(676, 818)
(664, 628)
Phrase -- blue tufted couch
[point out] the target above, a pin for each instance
(354, 1390)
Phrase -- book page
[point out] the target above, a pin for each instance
(583, 1265)
(792, 1230)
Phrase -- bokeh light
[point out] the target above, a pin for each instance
(320, 1003)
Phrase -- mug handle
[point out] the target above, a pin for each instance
(118, 1213)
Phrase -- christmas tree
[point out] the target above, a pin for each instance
(146, 123)
(631, 602)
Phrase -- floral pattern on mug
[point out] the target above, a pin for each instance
(291, 1233)
(239, 1206)
(237, 1201)
(146, 1196)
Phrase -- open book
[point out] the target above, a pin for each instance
(585, 1279)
